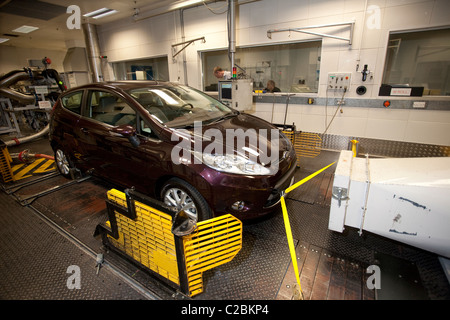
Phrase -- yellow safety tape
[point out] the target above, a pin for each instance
(287, 225)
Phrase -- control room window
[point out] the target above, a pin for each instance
(294, 67)
(419, 59)
(145, 69)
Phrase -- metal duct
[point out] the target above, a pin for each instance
(20, 75)
(93, 51)
(232, 31)
(18, 141)
(18, 96)
(13, 77)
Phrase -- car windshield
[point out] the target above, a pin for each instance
(180, 106)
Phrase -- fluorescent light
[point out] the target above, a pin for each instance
(100, 13)
(184, 4)
(105, 14)
(3, 40)
(25, 29)
(93, 13)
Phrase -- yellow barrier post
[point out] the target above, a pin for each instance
(354, 147)
(288, 226)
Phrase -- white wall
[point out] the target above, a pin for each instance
(153, 37)
(15, 58)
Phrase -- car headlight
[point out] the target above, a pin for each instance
(233, 164)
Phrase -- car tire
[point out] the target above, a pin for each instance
(180, 194)
(63, 163)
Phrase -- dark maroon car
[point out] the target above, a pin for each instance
(173, 143)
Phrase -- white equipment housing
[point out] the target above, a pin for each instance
(238, 93)
(404, 199)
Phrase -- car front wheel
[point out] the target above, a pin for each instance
(181, 195)
(63, 163)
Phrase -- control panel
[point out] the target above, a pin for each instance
(339, 81)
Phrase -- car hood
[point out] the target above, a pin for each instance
(243, 134)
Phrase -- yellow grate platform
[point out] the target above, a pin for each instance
(215, 242)
(5, 165)
(147, 238)
(305, 144)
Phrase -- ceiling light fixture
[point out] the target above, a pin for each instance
(184, 4)
(25, 29)
(100, 13)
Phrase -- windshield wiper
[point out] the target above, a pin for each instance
(185, 126)
(231, 115)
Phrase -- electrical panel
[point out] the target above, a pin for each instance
(339, 81)
(238, 93)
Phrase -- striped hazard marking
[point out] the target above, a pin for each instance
(39, 166)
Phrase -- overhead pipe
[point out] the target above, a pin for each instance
(184, 52)
(93, 51)
(232, 32)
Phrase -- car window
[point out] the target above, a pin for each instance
(110, 109)
(178, 106)
(146, 130)
(73, 101)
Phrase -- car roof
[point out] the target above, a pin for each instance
(123, 85)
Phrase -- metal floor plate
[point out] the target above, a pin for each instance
(35, 259)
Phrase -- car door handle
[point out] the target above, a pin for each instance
(84, 130)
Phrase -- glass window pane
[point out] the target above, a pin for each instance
(419, 59)
(179, 106)
(110, 109)
(73, 101)
(293, 67)
(146, 69)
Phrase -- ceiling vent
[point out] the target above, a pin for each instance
(33, 9)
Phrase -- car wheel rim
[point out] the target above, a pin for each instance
(179, 199)
(62, 162)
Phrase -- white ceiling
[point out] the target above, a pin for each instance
(53, 33)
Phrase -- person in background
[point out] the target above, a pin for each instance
(271, 87)
(221, 74)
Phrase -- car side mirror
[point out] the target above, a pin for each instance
(128, 132)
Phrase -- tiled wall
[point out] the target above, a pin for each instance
(420, 126)
(153, 37)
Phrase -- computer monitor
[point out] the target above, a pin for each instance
(225, 89)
